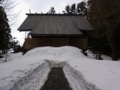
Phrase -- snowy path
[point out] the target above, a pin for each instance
(29, 72)
(56, 80)
(37, 78)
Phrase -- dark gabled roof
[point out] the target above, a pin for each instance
(55, 24)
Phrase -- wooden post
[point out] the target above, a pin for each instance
(25, 34)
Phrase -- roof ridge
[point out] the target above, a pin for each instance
(42, 14)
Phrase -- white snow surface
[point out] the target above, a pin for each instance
(92, 56)
(29, 72)
(103, 74)
(11, 56)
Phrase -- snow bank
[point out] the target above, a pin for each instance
(76, 79)
(34, 80)
(13, 71)
(56, 53)
(104, 74)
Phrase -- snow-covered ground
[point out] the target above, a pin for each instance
(92, 56)
(29, 72)
(11, 56)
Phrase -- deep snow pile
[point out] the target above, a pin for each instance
(55, 53)
(76, 79)
(13, 72)
(102, 75)
(34, 80)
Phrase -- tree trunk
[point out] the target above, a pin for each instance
(99, 55)
(6, 57)
(110, 34)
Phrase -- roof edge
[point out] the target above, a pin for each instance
(46, 14)
(56, 34)
(24, 29)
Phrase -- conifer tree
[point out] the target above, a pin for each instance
(79, 9)
(52, 10)
(68, 9)
(106, 13)
(5, 31)
(73, 9)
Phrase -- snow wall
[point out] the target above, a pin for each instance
(35, 79)
(76, 79)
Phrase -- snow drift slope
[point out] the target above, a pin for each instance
(55, 53)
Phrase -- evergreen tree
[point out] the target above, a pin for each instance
(79, 9)
(5, 31)
(117, 39)
(68, 9)
(98, 43)
(14, 45)
(106, 13)
(73, 9)
(52, 10)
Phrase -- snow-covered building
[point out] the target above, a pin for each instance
(56, 30)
